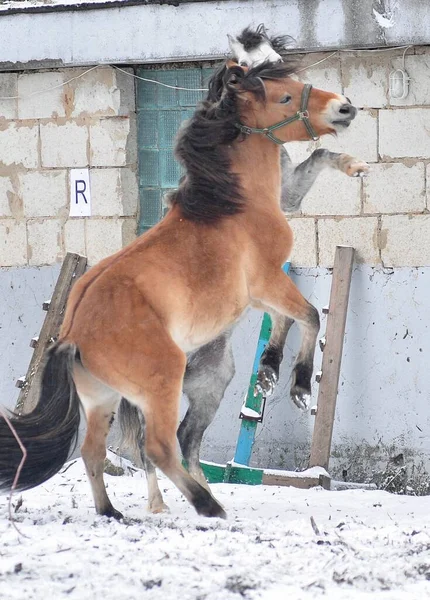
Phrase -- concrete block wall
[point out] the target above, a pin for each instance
(56, 121)
(386, 215)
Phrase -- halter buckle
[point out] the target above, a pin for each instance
(303, 114)
(245, 129)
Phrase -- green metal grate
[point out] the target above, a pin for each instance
(160, 113)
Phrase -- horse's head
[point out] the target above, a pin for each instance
(273, 104)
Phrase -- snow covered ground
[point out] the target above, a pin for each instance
(369, 544)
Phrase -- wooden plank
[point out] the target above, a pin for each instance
(303, 483)
(73, 267)
(332, 357)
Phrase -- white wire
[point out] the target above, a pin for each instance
(51, 88)
(173, 87)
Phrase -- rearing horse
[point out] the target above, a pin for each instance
(131, 319)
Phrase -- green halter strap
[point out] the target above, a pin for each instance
(301, 115)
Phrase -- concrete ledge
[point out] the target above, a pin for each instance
(198, 30)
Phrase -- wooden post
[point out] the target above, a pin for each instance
(332, 357)
(73, 267)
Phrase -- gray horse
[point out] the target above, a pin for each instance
(211, 368)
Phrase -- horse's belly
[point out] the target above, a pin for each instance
(192, 334)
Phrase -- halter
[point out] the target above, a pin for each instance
(301, 115)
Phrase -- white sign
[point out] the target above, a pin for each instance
(80, 193)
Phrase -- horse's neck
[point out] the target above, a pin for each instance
(257, 162)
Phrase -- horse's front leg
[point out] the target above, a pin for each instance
(281, 295)
(297, 180)
(270, 361)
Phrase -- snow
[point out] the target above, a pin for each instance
(370, 544)
(249, 412)
(386, 19)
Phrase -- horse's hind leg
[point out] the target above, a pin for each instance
(209, 371)
(161, 419)
(100, 403)
(151, 377)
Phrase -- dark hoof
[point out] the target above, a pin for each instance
(266, 381)
(301, 385)
(300, 397)
(112, 513)
(209, 507)
(216, 511)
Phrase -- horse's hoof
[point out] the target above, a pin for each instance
(215, 512)
(160, 508)
(112, 513)
(358, 169)
(301, 398)
(266, 381)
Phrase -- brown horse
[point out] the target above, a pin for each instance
(131, 319)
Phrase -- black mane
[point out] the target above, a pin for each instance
(209, 190)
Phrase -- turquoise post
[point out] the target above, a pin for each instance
(248, 427)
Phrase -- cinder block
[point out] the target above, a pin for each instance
(324, 76)
(47, 104)
(44, 193)
(304, 249)
(44, 241)
(114, 192)
(106, 200)
(129, 191)
(64, 145)
(360, 233)
(365, 79)
(95, 93)
(404, 133)
(395, 187)
(109, 142)
(300, 151)
(18, 145)
(125, 84)
(359, 140)
(13, 243)
(74, 236)
(428, 187)
(418, 69)
(8, 89)
(333, 193)
(405, 240)
(129, 231)
(7, 195)
(104, 237)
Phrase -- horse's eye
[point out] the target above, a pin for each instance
(286, 100)
(243, 63)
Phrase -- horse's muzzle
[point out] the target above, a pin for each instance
(345, 114)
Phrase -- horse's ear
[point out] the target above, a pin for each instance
(234, 74)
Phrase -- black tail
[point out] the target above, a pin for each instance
(49, 432)
(132, 424)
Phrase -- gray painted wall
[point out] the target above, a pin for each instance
(191, 31)
(22, 292)
(384, 391)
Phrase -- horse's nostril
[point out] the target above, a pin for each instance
(347, 111)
